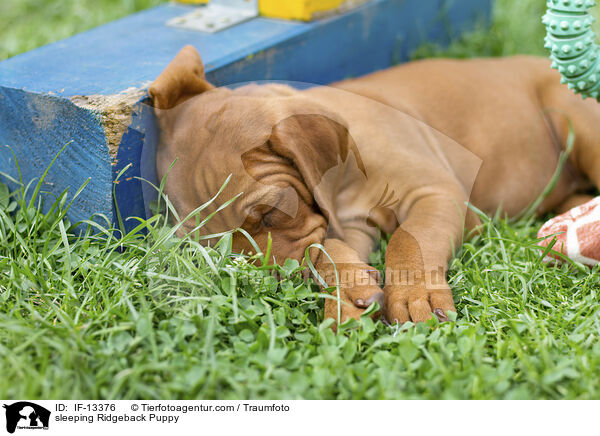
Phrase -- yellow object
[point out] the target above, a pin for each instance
(304, 10)
(297, 9)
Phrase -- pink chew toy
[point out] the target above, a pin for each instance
(577, 234)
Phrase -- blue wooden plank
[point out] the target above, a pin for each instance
(36, 127)
(131, 52)
(134, 50)
(372, 37)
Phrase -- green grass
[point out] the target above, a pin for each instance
(27, 24)
(516, 29)
(110, 316)
(106, 315)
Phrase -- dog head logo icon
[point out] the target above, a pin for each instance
(26, 415)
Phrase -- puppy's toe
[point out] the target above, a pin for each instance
(420, 310)
(364, 296)
(441, 316)
(397, 312)
(348, 310)
(441, 303)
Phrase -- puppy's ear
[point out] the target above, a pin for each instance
(316, 144)
(182, 79)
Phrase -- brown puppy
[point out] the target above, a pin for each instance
(402, 149)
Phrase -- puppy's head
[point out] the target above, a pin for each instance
(281, 150)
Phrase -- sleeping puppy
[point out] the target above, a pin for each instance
(402, 150)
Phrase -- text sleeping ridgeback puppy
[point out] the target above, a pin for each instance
(403, 150)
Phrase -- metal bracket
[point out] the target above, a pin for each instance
(217, 15)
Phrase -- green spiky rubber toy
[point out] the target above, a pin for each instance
(570, 39)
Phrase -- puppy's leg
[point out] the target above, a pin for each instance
(573, 201)
(567, 110)
(359, 283)
(417, 259)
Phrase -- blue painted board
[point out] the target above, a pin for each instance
(37, 116)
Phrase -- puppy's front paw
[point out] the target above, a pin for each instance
(417, 304)
(354, 302)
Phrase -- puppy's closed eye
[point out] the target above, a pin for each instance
(269, 219)
(253, 221)
(263, 217)
(275, 218)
